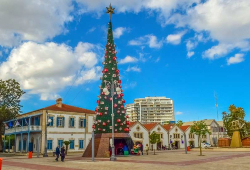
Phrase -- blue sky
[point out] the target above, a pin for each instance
(180, 50)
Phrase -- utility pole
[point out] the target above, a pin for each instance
(216, 105)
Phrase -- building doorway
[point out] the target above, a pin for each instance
(177, 144)
(191, 144)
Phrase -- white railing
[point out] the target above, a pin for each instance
(23, 129)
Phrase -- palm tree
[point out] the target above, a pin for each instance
(67, 145)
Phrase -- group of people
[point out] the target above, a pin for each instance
(139, 148)
(60, 153)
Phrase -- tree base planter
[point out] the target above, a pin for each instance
(102, 144)
(236, 140)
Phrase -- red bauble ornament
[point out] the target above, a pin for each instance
(103, 93)
(121, 124)
(123, 101)
(115, 105)
(122, 106)
(127, 116)
(100, 113)
(118, 120)
(127, 122)
(93, 126)
(119, 81)
(113, 52)
(117, 71)
(97, 101)
(122, 94)
(99, 129)
(104, 123)
(105, 56)
(106, 70)
(109, 47)
(106, 52)
(114, 58)
(126, 129)
(110, 98)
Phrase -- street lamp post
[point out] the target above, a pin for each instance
(93, 141)
(185, 142)
(112, 85)
(47, 121)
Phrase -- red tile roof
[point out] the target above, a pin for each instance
(64, 108)
(149, 126)
(168, 126)
(184, 128)
(68, 108)
(131, 124)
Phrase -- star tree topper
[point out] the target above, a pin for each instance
(110, 11)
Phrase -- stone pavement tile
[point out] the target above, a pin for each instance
(35, 166)
(14, 168)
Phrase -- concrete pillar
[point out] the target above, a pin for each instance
(28, 146)
(4, 144)
(9, 144)
(43, 124)
(21, 143)
(15, 144)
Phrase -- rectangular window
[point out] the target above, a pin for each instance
(60, 143)
(51, 123)
(80, 144)
(135, 135)
(82, 123)
(60, 121)
(161, 135)
(71, 122)
(72, 144)
(49, 145)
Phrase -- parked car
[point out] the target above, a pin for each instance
(205, 145)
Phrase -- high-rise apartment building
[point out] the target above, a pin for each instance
(151, 109)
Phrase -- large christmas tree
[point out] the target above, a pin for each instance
(111, 84)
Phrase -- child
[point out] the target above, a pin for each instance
(146, 148)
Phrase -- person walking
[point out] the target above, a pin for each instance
(147, 148)
(57, 153)
(141, 149)
(62, 154)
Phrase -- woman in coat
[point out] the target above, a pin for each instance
(62, 154)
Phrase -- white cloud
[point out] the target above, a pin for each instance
(179, 113)
(157, 60)
(128, 59)
(91, 30)
(175, 38)
(119, 32)
(45, 69)
(238, 58)
(222, 49)
(32, 20)
(134, 68)
(149, 40)
(164, 7)
(190, 54)
(226, 21)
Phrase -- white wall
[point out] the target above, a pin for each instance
(176, 129)
(145, 139)
(164, 140)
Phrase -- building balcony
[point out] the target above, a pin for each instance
(24, 129)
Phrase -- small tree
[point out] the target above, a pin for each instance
(154, 138)
(199, 128)
(67, 145)
(179, 123)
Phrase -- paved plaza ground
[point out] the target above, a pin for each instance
(214, 159)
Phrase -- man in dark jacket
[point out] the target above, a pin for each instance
(57, 153)
(62, 154)
(141, 149)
